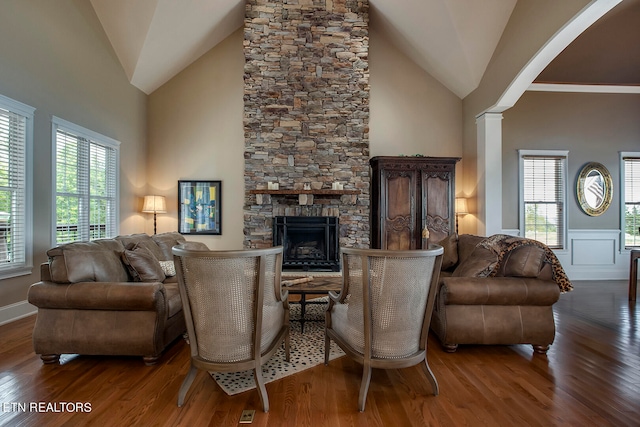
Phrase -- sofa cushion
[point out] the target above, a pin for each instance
(143, 240)
(96, 261)
(166, 241)
(450, 246)
(480, 263)
(466, 244)
(524, 261)
(142, 264)
(174, 303)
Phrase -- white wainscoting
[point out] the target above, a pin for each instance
(592, 255)
(16, 311)
(595, 255)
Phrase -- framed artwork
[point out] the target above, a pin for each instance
(199, 207)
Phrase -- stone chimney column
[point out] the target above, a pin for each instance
(306, 113)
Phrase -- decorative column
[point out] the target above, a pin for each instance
(489, 173)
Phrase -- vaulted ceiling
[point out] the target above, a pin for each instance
(607, 53)
(452, 40)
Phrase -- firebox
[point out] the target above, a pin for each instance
(310, 242)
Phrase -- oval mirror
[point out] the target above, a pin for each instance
(594, 189)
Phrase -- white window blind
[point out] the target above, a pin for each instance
(631, 209)
(16, 121)
(543, 198)
(86, 184)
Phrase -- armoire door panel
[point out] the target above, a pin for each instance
(408, 193)
(437, 195)
(399, 236)
(399, 214)
(400, 192)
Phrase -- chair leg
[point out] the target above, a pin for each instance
(262, 391)
(431, 377)
(540, 349)
(287, 346)
(364, 386)
(450, 348)
(150, 360)
(327, 348)
(50, 358)
(186, 384)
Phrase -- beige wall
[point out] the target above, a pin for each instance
(411, 112)
(55, 57)
(196, 132)
(592, 127)
(531, 25)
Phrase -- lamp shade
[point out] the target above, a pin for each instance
(154, 204)
(461, 206)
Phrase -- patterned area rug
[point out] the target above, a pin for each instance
(307, 351)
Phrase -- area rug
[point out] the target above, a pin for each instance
(307, 351)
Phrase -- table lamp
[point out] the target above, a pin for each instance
(461, 209)
(154, 205)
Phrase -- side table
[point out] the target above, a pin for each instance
(318, 286)
(633, 273)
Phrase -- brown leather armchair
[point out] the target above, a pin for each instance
(497, 290)
(108, 297)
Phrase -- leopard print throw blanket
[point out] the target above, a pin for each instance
(502, 244)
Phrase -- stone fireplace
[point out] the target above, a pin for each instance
(306, 116)
(310, 242)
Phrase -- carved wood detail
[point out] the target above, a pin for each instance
(407, 206)
(400, 223)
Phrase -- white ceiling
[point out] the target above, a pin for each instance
(452, 40)
(156, 39)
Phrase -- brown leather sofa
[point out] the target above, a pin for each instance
(108, 297)
(497, 290)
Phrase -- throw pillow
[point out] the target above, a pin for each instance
(168, 267)
(142, 264)
(480, 263)
(524, 261)
(450, 246)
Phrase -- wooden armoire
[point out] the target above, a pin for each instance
(408, 196)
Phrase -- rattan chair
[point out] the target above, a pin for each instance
(236, 311)
(381, 316)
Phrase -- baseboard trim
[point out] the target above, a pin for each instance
(11, 313)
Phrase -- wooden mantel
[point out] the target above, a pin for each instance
(321, 192)
(305, 197)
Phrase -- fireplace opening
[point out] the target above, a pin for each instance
(310, 242)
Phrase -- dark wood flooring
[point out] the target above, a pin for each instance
(590, 377)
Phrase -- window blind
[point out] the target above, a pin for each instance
(16, 121)
(86, 179)
(544, 195)
(632, 201)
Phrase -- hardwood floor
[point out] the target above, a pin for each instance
(590, 377)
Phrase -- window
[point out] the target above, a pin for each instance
(543, 196)
(86, 183)
(16, 130)
(630, 168)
